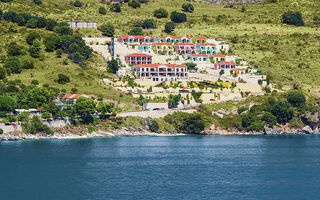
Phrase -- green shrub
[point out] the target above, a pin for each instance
(269, 119)
(136, 31)
(296, 99)
(32, 36)
(1, 131)
(177, 17)
(293, 18)
(13, 65)
(63, 79)
(174, 101)
(14, 49)
(193, 124)
(187, 7)
(77, 4)
(37, 2)
(241, 110)
(36, 126)
(107, 30)
(116, 7)
(282, 111)
(134, 4)
(149, 23)
(160, 13)
(35, 82)
(247, 120)
(169, 27)
(102, 10)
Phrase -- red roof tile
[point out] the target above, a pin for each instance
(67, 96)
(136, 36)
(157, 65)
(159, 44)
(199, 55)
(201, 37)
(184, 44)
(207, 44)
(219, 55)
(138, 54)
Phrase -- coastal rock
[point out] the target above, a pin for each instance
(272, 130)
(311, 120)
(307, 130)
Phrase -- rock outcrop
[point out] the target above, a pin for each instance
(312, 120)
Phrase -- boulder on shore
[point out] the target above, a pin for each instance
(311, 120)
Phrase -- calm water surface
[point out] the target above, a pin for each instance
(185, 167)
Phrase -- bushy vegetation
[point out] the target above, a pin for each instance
(292, 18)
(187, 7)
(178, 17)
(271, 110)
(169, 27)
(160, 13)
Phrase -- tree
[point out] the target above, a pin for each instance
(282, 111)
(7, 104)
(35, 97)
(2, 73)
(197, 96)
(116, 7)
(293, 18)
(63, 79)
(296, 99)
(221, 72)
(134, 4)
(42, 22)
(13, 65)
(23, 117)
(32, 36)
(77, 4)
(174, 101)
(14, 49)
(169, 27)
(63, 29)
(113, 66)
(107, 30)
(177, 17)
(136, 31)
(36, 126)
(37, 2)
(105, 108)
(187, 7)
(84, 107)
(149, 23)
(269, 119)
(35, 82)
(32, 23)
(46, 115)
(247, 120)
(160, 13)
(191, 65)
(35, 49)
(1, 13)
(51, 42)
(59, 53)
(102, 10)
(51, 24)
(193, 124)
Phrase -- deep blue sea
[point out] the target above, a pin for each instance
(182, 167)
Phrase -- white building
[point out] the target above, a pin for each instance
(161, 72)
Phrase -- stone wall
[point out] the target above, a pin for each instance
(218, 2)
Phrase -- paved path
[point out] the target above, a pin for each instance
(153, 114)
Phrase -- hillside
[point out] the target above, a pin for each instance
(289, 54)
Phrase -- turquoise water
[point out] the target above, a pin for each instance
(185, 167)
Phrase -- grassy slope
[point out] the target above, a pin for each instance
(293, 60)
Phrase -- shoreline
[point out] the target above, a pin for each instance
(126, 133)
